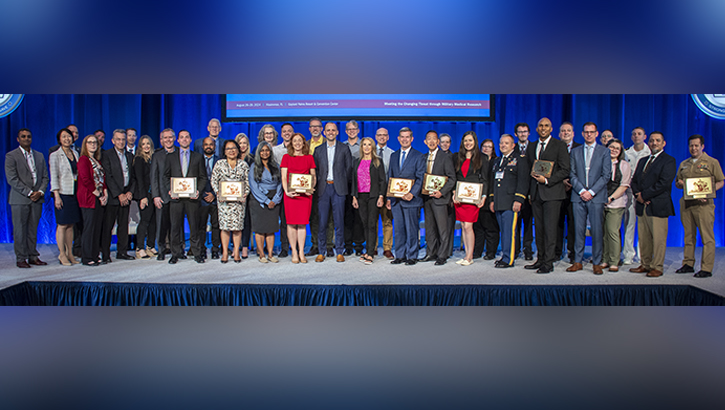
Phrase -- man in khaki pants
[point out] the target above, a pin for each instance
(698, 213)
(652, 190)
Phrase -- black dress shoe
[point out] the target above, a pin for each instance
(23, 264)
(190, 253)
(685, 269)
(173, 260)
(535, 265)
(489, 257)
(397, 261)
(503, 265)
(358, 253)
(214, 255)
(283, 253)
(166, 251)
(105, 261)
(529, 257)
(160, 256)
(330, 253)
(347, 252)
(36, 262)
(428, 258)
(313, 251)
(124, 257)
(182, 256)
(703, 274)
(544, 269)
(199, 259)
(440, 262)
(411, 262)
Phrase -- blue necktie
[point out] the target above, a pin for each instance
(402, 159)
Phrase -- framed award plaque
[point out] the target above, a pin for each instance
(543, 168)
(433, 183)
(468, 192)
(183, 187)
(300, 183)
(699, 188)
(398, 187)
(231, 191)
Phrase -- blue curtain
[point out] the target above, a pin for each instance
(675, 115)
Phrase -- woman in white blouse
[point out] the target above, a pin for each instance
(63, 177)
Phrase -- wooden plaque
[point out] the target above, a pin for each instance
(433, 183)
(398, 187)
(699, 188)
(300, 183)
(468, 192)
(543, 168)
(231, 191)
(183, 187)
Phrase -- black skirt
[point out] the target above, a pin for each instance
(70, 213)
(264, 220)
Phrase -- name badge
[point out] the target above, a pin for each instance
(499, 175)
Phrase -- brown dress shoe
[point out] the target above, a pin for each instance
(639, 269)
(340, 258)
(388, 254)
(654, 273)
(320, 258)
(597, 270)
(36, 262)
(22, 264)
(575, 267)
(614, 268)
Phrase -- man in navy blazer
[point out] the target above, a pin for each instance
(652, 190)
(406, 163)
(334, 174)
(591, 169)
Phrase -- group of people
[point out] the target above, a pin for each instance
(586, 187)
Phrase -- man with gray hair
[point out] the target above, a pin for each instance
(117, 163)
(215, 128)
(354, 235)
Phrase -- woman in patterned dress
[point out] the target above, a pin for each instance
(247, 156)
(231, 213)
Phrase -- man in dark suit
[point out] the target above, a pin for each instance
(185, 164)
(214, 127)
(546, 194)
(591, 170)
(508, 192)
(208, 208)
(159, 193)
(436, 203)
(566, 216)
(117, 163)
(526, 216)
(334, 174)
(27, 175)
(652, 190)
(407, 163)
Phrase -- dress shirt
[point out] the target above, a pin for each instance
(208, 164)
(542, 147)
(330, 160)
(184, 160)
(124, 166)
(403, 156)
(354, 148)
(431, 160)
(31, 164)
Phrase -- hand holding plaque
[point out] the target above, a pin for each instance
(300, 183)
(398, 187)
(699, 188)
(468, 192)
(543, 168)
(183, 187)
(231, 191)
(433, 183)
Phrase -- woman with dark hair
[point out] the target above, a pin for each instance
(92, 197)
(369, 186)
(471, 166)
(298, 206)
(231, 213)
(63, 176)
(146, 230)
(616, 203)
(486, 229)
(245, 149)
(265, 183)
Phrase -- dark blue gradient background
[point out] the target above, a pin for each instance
(362, 358)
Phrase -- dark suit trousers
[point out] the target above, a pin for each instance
(368, 212)
(92, 227)
(146, 231)
(437, 234)
(354, 231)
(77, 230)
(546, 227)
(190, 208)
(165, 228)
(25, 229)
(526, 219)
(115, 213)
(486, 232)
(406, 228)
(205, 212)
(315, 223)
(330, 201)
(451, 228)
(567, 212)
(283, 240)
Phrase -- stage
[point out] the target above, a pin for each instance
(151, 282)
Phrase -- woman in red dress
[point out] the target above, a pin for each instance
(297, 205)
(471, 166)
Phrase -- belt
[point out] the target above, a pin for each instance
(330, 182)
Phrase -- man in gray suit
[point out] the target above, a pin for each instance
(27, 174)
(591, 169)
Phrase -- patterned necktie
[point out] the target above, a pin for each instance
(649, 162)
(402, 159)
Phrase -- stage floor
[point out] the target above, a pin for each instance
(351, 272)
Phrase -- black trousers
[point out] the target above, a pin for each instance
(526, 219)
(283, 240)
(567, 212)
(354, 231)
(146, 230)
(486, 231)
(546, 227)
(179, 209)
(205, 213)
(368, 212)
(437, 233)
(115, 214)
(92, 226)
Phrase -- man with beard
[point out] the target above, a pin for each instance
(208, 208)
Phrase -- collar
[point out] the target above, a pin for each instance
(433, 152)
(546, 141)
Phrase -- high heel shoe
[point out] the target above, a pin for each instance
(224, 259)
(72, 259)
(237, 259)
(64, 260)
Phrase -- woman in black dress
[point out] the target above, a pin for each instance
(146, 230)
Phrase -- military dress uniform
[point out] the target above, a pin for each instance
(510, 184)
(696, 214)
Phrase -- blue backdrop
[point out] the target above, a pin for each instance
(675, 115)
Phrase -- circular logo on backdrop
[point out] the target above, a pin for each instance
(9, 102)
(711, 104)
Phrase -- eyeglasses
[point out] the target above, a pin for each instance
(92, 142)
(230, 149)
(351, 129)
